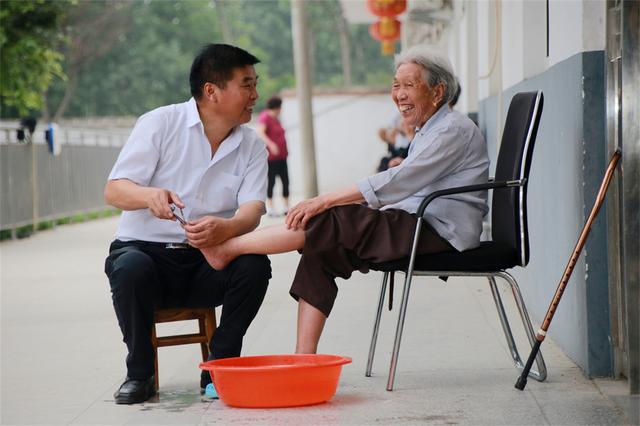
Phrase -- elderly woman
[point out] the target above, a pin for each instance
(337, 234)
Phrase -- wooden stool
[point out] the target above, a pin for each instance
(206, 326)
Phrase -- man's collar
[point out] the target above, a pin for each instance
(229, 144)
(193, 116)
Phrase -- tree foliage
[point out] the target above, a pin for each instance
(141, 52)
(148, 64)
(92, 30)
(29, 30)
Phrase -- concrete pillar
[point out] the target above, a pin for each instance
(304, 94)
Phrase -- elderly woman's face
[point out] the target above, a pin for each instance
(416, 101)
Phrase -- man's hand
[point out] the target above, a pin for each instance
(159, 202)
(299, 216)
(208, 231)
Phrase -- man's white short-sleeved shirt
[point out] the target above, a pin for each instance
(168, 149)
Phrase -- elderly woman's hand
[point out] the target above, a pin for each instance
(299, 216)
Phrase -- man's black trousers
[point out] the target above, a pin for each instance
(145, 275)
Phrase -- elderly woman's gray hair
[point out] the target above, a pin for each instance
(437, 68)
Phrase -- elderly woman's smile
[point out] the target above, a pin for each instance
(415, 100)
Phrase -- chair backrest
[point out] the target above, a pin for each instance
(509, 206)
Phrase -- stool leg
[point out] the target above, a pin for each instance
(154, 342)
(210, 325)
(204, 347)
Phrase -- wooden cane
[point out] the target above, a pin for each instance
(542, 332)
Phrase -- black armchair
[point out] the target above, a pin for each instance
(509, 246)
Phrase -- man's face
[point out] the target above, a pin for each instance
(238, 98)
(415, 100)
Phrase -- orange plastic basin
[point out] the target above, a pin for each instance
(276, 380)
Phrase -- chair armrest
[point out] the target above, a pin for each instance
(468, 188)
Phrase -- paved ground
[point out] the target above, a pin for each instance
(62, 356)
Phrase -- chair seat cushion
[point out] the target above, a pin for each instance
(489, 257)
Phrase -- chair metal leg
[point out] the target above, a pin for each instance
(541, 373)
(376, 325)
(504, 321)
(404, 303)
(401, 317)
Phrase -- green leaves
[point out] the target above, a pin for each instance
(127, 57)
(29, 30)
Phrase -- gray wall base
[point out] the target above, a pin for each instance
(568, 165)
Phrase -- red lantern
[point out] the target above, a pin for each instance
(387, 7)
(387, 31)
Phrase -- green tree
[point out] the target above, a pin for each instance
(148, 64)
(263, 28)
(93, 28)
(29, 30)
(150, 51)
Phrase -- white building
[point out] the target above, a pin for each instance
(584, 56)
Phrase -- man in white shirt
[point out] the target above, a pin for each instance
(190, 176)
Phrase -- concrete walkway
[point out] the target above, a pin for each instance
(62, 356)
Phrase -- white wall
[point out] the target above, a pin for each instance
(483, 47)
(534, 38)
(512, 42)
(594, 17)
(574, 26)
(459, 44)
(347, 145)
(469, 25)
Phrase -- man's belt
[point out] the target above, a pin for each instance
(178, 246)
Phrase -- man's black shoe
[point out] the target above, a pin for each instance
(135, 391)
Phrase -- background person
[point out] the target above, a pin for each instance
(407, 132)
(198, 156)
(272, 133)
(338, 235)
(398, 136)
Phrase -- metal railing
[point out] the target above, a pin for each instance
(36, 186)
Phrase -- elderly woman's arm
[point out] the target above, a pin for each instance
(431, 160)
(298, 216)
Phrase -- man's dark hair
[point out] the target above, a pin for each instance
(274, 102)
(215, 64)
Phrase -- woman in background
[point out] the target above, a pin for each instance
(272, 133)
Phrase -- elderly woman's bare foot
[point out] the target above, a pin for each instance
(217, 257)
